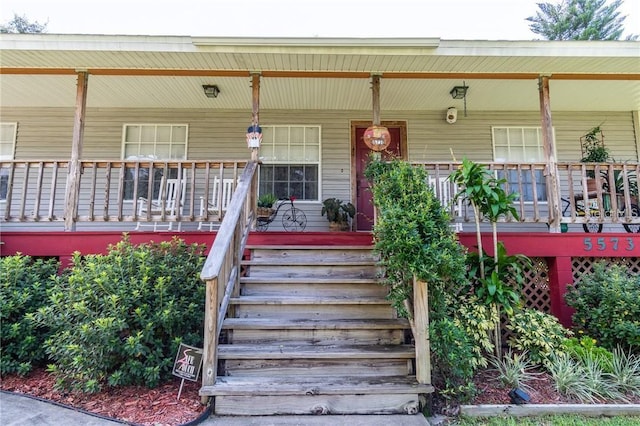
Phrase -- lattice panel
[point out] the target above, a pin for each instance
(535, 291)
(584, 265)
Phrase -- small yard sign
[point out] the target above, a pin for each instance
(188, 364)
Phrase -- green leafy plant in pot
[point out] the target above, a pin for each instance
(339, 213)
(265, 205)
(593, 151)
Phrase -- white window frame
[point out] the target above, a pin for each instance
(539, 145)
(155, 142)
(269, 145)
(12, 141)
(3, 173)
(153, 155)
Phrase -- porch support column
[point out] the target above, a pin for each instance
(553, 185)
(73, 179)
(255, 108)
(636, 127)
(375, 92)
(560, 278)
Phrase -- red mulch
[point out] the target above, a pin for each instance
(491, 391)
(133, 404)
(160, 407)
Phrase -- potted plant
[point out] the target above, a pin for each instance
(339, 213)
(593, 151)
(265, 205)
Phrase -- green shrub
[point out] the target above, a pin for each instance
(414, 239)
(515, 370)
(540, 334)
(569, 377)
(477, 320)
(119, 318)
(452, 355)
(413, 236)
(586, 347)
(23, 286)
(607, 308)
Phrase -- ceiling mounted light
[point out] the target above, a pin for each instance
(211, 90)
(459, 92)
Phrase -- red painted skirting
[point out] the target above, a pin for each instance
(558, 249)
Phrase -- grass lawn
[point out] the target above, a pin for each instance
(564, 420)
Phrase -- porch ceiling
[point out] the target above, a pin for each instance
(416, 74)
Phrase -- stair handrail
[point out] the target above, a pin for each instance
(221, 271)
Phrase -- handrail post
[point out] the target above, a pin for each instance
(210, 350)
(421, 331)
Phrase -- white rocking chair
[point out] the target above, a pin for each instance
(445, 191)
(217, 205)
(166, 206)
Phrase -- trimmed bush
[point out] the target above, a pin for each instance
(23, 287)
(540, 334)
(118, 318)
(607, 308)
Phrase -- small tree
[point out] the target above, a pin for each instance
(22, 25)
(579, 20)
(490, 201)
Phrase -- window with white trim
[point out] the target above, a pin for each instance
(8, 133)
(290, 162)
(152, 142)
(521, 145)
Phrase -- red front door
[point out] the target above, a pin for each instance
(364, 198)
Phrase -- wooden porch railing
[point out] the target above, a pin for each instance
(612, 200)
(221, 271)
(34, 191)
(109, 191)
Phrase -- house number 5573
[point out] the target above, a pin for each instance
(613, 243)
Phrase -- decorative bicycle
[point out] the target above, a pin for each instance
(293, 219)
(594, 211)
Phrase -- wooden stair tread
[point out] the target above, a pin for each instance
(315, 385)
(297, 300)
(307, 247)
(307, 324)
(275, 351)
(307, 262)
(307, 280)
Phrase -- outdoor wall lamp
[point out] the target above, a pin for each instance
(459, 92)
(211, 90)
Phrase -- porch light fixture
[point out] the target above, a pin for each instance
(459, 92)
(211, 90)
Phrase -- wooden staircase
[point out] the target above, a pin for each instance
(311, 332)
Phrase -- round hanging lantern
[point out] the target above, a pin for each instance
(254, 136)
(377, 137)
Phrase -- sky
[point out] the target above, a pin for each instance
(446, 19)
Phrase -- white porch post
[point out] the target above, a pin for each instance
(553, 185)
(73, 178)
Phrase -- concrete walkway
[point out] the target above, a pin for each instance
(20, 410)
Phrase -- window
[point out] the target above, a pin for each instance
(291, 161)
(7, 149)
(152, 142)
(521, 145)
